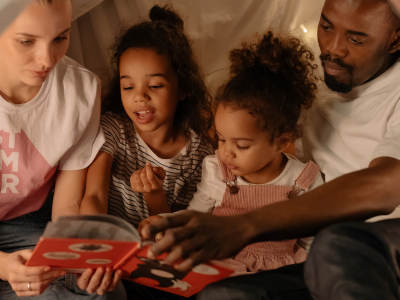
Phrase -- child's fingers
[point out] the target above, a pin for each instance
(136, 181)
(159, 172)
(146, 184)
(152, 177)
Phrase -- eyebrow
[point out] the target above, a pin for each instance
(237, 139)
(148, 75)
(35, 36)
(352, 32)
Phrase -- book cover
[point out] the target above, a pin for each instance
(76, 243)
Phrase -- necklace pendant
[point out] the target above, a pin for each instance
(291, 194)
(233, 189)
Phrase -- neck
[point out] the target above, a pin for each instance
(269, 172)
(165, 142)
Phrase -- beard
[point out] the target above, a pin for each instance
(331, 81)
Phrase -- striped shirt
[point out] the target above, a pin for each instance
(130, 153)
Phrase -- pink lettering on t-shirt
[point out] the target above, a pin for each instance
(26, 177)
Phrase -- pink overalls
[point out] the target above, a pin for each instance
(264, 255)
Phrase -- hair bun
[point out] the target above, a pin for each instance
(165, 14)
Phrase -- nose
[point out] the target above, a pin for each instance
(335, 46)
(227, 151)
(45, 57)
(140, 94)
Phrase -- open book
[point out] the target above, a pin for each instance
(76, 243)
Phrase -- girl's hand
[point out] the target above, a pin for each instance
(26, 281)
(148, 180)
(146, 222)
(99, 281)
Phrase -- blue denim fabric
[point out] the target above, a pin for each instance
(285, 283)
(23, 233)
(355, 260)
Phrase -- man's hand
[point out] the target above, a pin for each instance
(198, 237)
(100, 281)
(148, 180)
(21, 277)
(148, 221)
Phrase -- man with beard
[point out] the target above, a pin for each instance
(353, 133)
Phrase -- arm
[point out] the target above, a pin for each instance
(68, 193)
(97, 185)
(354, 196)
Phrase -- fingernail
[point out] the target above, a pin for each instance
(148, 163)
(63, 273)
(46, 269)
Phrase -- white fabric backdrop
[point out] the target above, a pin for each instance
(214, 26)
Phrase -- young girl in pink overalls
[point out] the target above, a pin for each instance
(257, 119)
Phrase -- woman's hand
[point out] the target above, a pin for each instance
(100, 281)
(26, 281)
(148, 180)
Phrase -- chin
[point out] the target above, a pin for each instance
(338, 86)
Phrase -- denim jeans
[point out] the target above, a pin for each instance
(285, 283)
(355, 260)
(23, 233)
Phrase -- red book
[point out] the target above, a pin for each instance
(76, 243)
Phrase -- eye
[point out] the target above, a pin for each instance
(221, 140)
(155, 86)
(354, 41)
(60, 39)
(325, 27)
(127, 88)
(242, 148)
(26, 42)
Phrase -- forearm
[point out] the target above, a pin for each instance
(157, 203)
(355, 196)
(93, 205)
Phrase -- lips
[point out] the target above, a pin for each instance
(144, 115)
(230, 166)
(333, 69)
(40, 74)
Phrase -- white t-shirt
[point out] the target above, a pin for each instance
(130, 153)
(57, 129)
(344, 132)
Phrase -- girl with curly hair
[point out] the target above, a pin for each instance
(257, 118)
(156, 117)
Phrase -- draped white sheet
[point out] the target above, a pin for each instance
(214, 27)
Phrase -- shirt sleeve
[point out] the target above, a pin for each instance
(83, 152)
(112, 133)
(390, 144)
(207, 195)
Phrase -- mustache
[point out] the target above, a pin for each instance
(338, 61)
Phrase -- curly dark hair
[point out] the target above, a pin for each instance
(273, 79)
(165, 34)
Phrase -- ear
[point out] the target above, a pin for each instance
(284, 141)
(395, 43)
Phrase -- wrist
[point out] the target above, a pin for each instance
(250, 229)
(155, 193)
(3, 263)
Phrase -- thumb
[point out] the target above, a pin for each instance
(25, 254)
(160, 172)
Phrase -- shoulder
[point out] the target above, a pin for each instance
(76, 77)
(293, 168)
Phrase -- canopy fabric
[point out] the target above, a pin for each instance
(214, 27)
